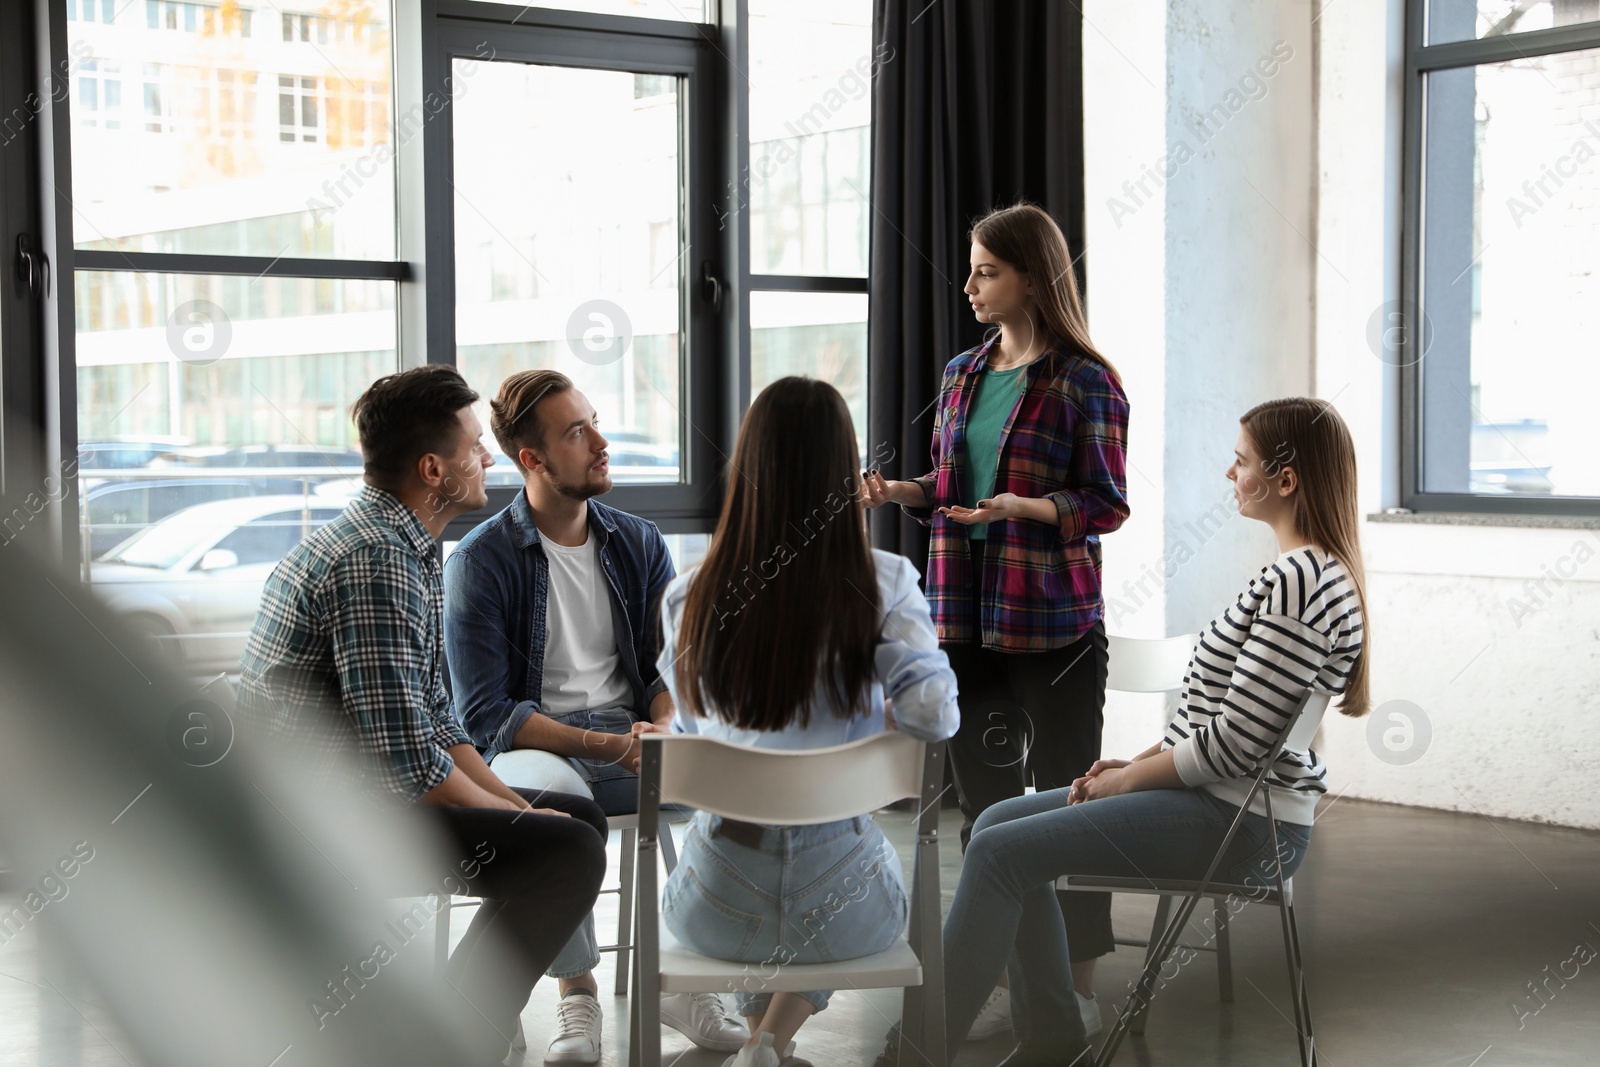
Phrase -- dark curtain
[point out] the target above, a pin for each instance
(979, 104)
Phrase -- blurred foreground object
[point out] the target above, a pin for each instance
(225, 910)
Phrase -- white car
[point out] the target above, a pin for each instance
(193, 580)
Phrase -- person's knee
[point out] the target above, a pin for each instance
(994, 815)
(983, 850)
(593, 814)
(576, 857)
(531, 768)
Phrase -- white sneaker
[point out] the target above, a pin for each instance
(995, 1018)
(761, 1054)
(577, 1038)
(703, 1019)
(1089, 1009)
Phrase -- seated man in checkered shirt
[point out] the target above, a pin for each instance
(346, 661)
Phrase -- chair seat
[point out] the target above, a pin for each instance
(686, 971)
(1175, 887)
(669, 814)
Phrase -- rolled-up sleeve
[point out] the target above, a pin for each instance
(480, 663)
(915, 672)
(1095, 501)
(930, 481)
(383, 640)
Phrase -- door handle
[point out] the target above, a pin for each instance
(33, 269)
(710, 287)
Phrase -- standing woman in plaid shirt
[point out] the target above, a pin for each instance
(1029, 455)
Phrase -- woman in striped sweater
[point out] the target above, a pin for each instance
(1297, 626)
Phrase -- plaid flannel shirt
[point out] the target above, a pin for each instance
(346, 657)
(1065, 440)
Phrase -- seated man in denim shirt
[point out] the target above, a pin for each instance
(552, 612)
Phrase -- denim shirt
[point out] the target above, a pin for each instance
(497, 594)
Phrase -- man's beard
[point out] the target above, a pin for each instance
(579, 491)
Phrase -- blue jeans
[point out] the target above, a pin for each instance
(1005, 913)
(808, 894)
(613, 788)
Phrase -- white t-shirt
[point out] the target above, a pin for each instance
(582, 667)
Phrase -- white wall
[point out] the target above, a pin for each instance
(1256, 274)
(1199, 202)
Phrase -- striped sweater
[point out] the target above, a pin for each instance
(1297, 626)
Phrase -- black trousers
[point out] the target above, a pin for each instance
(1032, 717)
(539, 876)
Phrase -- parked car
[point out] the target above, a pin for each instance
(124, 453)
(314, 456)
(192, 581)
(629, 464)
(113, 511)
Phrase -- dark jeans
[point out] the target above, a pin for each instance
(538, 883)
(1032, 717)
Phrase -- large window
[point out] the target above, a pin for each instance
(806, 189)
(569, 246)
(1496, 332)
(235, 289)
(667, 199)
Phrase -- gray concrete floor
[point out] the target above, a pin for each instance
(1422, 932)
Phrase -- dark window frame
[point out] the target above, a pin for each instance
(41, 365)
(1423, 59)
(618, 42)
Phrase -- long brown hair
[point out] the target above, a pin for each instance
(1025, 236)
(1309, 436)
(788, 591)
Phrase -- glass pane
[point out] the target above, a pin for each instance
(568, 247)
(807, 190)
(686, 549)
(1467, 20)
(215, 132)
(1511, 296)
(820, 335)
(677, 10)
(204, 404)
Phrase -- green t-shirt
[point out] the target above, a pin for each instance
(996, 394)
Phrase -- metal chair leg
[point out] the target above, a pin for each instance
(626, 864)
(646, 996)
(635, 1041)
(669, 850)
(1157, 927)
(1219, 914)
(1308, 1041)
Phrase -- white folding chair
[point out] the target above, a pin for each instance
(1296, 736)
(627, 887)
(784, 788)
(1158, 665)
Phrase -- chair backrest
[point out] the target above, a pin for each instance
(1148, 665)
(1313, 707)
(788, 788)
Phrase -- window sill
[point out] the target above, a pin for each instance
(1454, 518)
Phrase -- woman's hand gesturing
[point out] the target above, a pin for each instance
(875, 491)
(993, 509)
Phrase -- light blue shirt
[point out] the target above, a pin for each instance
(907, 665)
